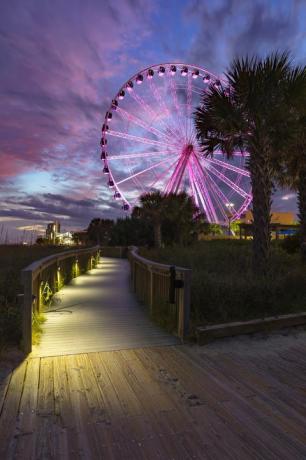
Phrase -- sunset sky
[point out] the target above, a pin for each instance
(62, 61)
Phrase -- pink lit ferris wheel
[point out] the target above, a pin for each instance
(149, 143)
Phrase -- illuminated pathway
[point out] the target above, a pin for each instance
(98, 312)
(235, 399)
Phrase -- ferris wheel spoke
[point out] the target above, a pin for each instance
(219, 196)
(203, 186)
(220, 199)
(141, 155)
(153, 114)
(189, 103)
(228, 182)
(205, 199)
(173, 90)
(158, 179)
(143, 171)
(223, 164)
(234, 154)
(193, 190)
(164, 109)
(143, 140)
(162, 176)
(137, 121)
(158, 97)
(176, 177)
(225, 199)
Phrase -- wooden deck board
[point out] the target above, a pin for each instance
(98, 312)
(155, 403)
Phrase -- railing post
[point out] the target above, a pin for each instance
(27, 312)
(151, 290)
(184, 305)
(134, 276)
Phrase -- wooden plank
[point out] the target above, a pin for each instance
(90, 442)
(64, 411)
(45, 405)
(128, 400)
(110, 397)
(255, 414)
(205, 334)
(49, 436)
(230, 408)
(27, 420)
(200, 419)
(10, 409)
(5, 378)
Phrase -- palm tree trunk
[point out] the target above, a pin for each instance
(262, 191)
(302, 208)
(157, 235)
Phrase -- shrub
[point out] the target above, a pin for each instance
(291, 244)
(224, 287)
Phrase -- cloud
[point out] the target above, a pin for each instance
(48, 207)
(231, 28)
(55, 59)
(61, 62)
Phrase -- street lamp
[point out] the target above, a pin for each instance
(230, 207)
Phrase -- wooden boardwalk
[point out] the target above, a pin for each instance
(164, 403)
(98, 312)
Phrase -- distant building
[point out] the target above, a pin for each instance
(64, 238)
(54, 235)
(282, 224)
(53, 229)
(284, 218)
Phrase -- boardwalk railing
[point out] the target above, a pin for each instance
(46, 276)
(165, 289)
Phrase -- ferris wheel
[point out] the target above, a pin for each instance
(149, 143)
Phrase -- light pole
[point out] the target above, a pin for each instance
(229, 215)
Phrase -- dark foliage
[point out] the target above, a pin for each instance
(224, 287)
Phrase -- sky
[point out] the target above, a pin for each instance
(62, 62)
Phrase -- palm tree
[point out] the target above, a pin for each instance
(248, 114)
(173, 213)
(180, 215)
(152, 208)
(291, 171)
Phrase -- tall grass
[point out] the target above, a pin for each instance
(12, 260)
(224, 287)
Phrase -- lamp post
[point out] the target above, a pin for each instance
(229, 215)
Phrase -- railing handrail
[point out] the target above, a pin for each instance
(157, 265)
(38, 265)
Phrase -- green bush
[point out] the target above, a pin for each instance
(291, 244)
(224, 287)
(12, 260)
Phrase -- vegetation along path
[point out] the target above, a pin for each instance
(98, 312)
